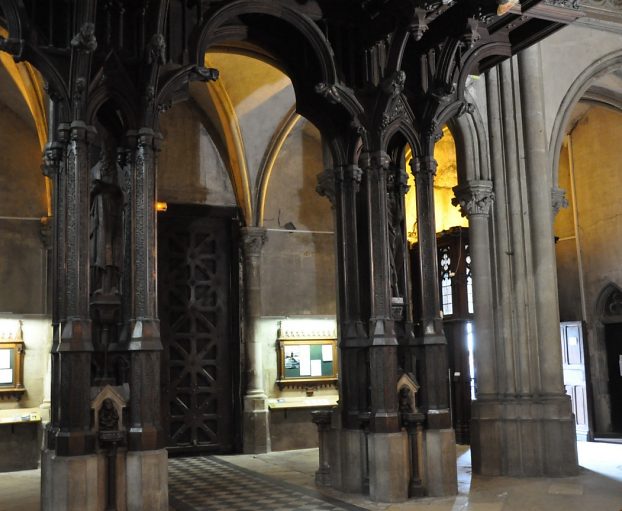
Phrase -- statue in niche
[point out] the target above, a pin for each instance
(396, 239)
(405, 400)
(108, 416)
(106, 224)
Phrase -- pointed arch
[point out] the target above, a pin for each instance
(234, 143)
(29, 82)
(270, 156)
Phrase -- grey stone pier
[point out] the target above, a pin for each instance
(256, 433)
(527, 428)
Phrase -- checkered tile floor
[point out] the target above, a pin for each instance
(211, 484)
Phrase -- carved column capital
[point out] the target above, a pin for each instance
(474, 198)
(558, 200)
(146, 137)
(375, 159)
(79, 131)
(423, 165)
(52, 156)
(353, 173)
(398, 181)
(253, 239)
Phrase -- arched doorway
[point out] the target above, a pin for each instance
(587, 236)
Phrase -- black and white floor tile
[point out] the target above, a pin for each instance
(207, 483)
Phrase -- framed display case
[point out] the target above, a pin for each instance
(11, 369)
(307, 362)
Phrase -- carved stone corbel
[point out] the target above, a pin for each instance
(85, 40)
(326, 185)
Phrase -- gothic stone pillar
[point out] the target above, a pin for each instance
(475, 199)
(256, 416)
(558, 429)
(528, 429)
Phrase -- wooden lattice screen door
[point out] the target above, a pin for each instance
(197, 292)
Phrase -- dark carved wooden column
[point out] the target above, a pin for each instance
(429, 327)
(432, 364)
(74, 349)
(52, 168)
(145, 432)
(353, 336)
(383, 349)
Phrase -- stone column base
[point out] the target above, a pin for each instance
(389, 466)
(524, 437)
(353, 460)
(147, 480)
(441, 475)
(256, 428)
(72, 483)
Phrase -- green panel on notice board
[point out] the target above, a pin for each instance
(316, 352)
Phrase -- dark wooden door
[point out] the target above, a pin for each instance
(197, 264)
(613, 340)
(573, 356)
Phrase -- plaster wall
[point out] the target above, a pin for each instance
(261, 96)
(298, 265)
(565, 55)
(23, 258)
(190, 169)
(566, 248)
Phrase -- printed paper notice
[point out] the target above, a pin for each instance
(305, 360)
(5, 359)
(316, 368)
(327, 353)
(6, 375)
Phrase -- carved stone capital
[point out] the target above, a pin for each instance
(353, 173)
(558, 199)
(79, 131)
(474, 198)
(52, 156)
(423, 165)
(146, 137)
(376, 159)
(326, 185)
(253, 239)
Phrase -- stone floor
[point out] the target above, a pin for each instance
(283, 481)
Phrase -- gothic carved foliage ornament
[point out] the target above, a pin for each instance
(328, 92)
(85, 40)
(157, 50)
(326, 185)
(475, 198)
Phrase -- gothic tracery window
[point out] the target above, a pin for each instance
(446, 282)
